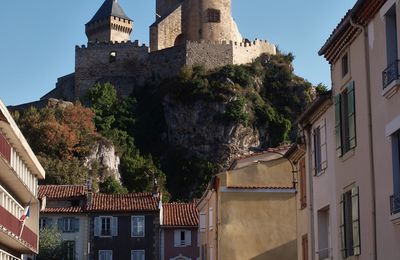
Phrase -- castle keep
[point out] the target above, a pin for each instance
(186, 32)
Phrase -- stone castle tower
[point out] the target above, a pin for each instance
(109, 24)
(178, 21)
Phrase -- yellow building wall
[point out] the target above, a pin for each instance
(258, 226)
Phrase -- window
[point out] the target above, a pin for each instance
(203, 222)
(137, 255)
(182, 238)
(303, 184)
(345, 65)
(319, 148)
(391, 35)
(213, 16)
(70, 250)
(395, 199)
(45, 223)
(138, 224)
(211, 219)
(350, 223)
(105, 254)
(304, 246)
(68, 225)
(105, 226)
(323, 234)
(345, 117)
(113, 56)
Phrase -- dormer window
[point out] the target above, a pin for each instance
(213, 16)
(113, 56)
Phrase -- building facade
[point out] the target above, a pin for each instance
(19, 174)
(63, 208)
(179, 232)
(363, 55)
(249, 212)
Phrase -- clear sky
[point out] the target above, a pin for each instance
(38, 38)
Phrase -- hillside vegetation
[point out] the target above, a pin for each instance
(260, 101)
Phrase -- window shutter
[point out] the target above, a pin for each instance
(324, 162)
(355, 221)
(338, 123)
(61, 224)
(341, 225)
(210, 219)
(177, 238)
(314, 167)
(49, 223)
(76, 224)
(115, 226)
(351, 114)
(188, 237)
(96, 226)
(202, 222)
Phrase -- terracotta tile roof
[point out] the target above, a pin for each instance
(63, 210)
(61, 191)
(259, 188)
(180, 215)
(123, 202)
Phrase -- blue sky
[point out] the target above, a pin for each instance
(38, 38)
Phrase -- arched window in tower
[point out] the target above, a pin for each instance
(113, 56)
(213, 16)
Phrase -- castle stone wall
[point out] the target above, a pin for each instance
(93, 64)
(167, 62)
(211, 55)
(248, 52)
(164, 33)
(64, 90)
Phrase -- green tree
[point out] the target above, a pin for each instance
(50, 245)
(112, 186)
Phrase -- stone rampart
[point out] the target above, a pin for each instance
(125, 65)
(246, 52)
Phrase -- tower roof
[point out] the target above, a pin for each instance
(109, 8)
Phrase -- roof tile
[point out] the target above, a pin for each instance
(61, 191)
(180, 215)
(123, 202)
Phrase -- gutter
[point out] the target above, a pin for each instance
(370, 136)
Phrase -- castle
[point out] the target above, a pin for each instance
(186, 32)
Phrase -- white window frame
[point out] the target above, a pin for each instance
(106, 252)
(141, 251)
(133, 228)
(68, 225)
(101, 226)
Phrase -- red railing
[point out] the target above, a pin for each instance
(13, 224)
(5, 148)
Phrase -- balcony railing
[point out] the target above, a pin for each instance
(6, 256)
(390, 74)
(395, 203)
(10, 204)
(324, 253)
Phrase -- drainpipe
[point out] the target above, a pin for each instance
(370, 136)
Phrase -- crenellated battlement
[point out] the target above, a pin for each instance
(256, 42)
(107, 45)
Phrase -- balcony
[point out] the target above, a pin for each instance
(390, 79)
(324, 254)
(7, 256)
(395, 208)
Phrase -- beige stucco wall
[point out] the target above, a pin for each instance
(384, 111)
(276, 173)
(353, 168)
(257, 226)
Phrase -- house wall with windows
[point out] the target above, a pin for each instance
(250, 212)
(179, 232)
(19, 174)
(383, 46)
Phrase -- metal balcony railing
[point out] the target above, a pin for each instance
(395, 203)
(390, 74)
(324, 253)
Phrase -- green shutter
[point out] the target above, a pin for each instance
(356, 221)
(61, 224)
(76, 224)
(338, 124)
(342, 229)
(351, 114)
